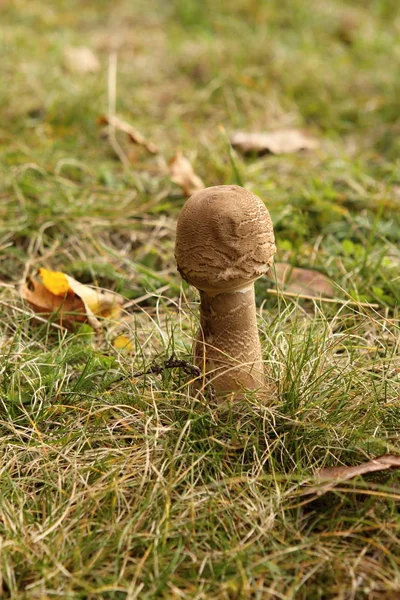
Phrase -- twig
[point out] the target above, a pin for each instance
(175, 363)
(322, 299)
(171, 363)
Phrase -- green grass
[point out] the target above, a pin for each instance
(121, 487)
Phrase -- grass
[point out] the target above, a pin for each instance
(121, 487)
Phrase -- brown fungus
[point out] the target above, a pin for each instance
(224, 242)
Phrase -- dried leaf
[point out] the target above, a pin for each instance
(71, 301)
(329, 477)
(68, 310)
(284, 141)
(381, 463)
(80, 59)
(302, 281)
(181, 173)
(133, 134)
(101, 303)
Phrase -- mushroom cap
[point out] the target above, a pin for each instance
(224, 239)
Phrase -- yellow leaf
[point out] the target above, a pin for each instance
(101, 303)
(55, 282)
(70, 300)
(122, 342)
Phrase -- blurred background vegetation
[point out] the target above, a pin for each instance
(189, 73)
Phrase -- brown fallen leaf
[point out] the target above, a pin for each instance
(302, 281)
(67, 310)
(283, 141)
(381, 463)
(80, 59)
(330, 477)
(133, 134)
(69, 300)
(182, 173)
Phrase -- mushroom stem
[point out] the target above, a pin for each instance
(227, 347)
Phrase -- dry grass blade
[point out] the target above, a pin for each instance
(182, 173)
(37, 317)
(133, 134)
(146, 487)
(284, 141)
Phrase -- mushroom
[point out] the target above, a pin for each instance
(224, 242)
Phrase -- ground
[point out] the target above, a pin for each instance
(120, 486)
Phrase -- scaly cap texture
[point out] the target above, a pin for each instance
(224, 239)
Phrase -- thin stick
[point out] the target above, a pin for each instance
(171, 363)
(322, 299)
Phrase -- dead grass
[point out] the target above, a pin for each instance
(115, 486)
